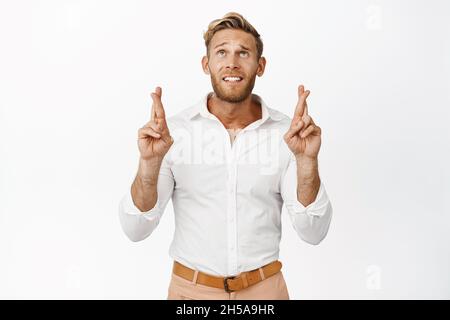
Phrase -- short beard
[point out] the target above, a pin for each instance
(237, 98)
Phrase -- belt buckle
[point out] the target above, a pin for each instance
(225, 284)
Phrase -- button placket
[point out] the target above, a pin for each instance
(233, 209)
(231, 212)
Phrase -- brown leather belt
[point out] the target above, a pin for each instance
(229, 284)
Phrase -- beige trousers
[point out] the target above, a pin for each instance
(272, 288)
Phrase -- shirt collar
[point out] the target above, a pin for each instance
(201, 109)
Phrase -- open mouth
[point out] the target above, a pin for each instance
(232, 79)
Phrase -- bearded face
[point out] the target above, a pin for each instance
(233, 65)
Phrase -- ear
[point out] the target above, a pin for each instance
(261, 66)
(205, 64)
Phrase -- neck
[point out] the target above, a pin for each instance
(235, 115)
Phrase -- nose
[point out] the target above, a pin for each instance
(232, 63)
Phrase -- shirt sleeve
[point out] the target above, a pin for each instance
(138, 225)
(311, 222)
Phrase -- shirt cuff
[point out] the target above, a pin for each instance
(316, 208)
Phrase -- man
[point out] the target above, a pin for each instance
(228, 163)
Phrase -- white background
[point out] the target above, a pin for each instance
(75, 78)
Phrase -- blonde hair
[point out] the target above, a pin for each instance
(232, 20)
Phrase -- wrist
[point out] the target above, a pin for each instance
(301, 158)
(151, 162)
(307, 169)
(149, 170)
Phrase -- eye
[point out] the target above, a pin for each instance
(244, 53)
(221, 53)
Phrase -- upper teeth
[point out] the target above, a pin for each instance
(232, 78)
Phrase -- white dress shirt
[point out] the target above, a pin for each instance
(228, 195)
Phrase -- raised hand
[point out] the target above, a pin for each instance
(303, 137)
(154, 138)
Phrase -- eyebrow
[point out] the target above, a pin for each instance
(221, 44)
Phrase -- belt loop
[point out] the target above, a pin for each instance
(261, 273)
(244, 280)
(194, 281)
